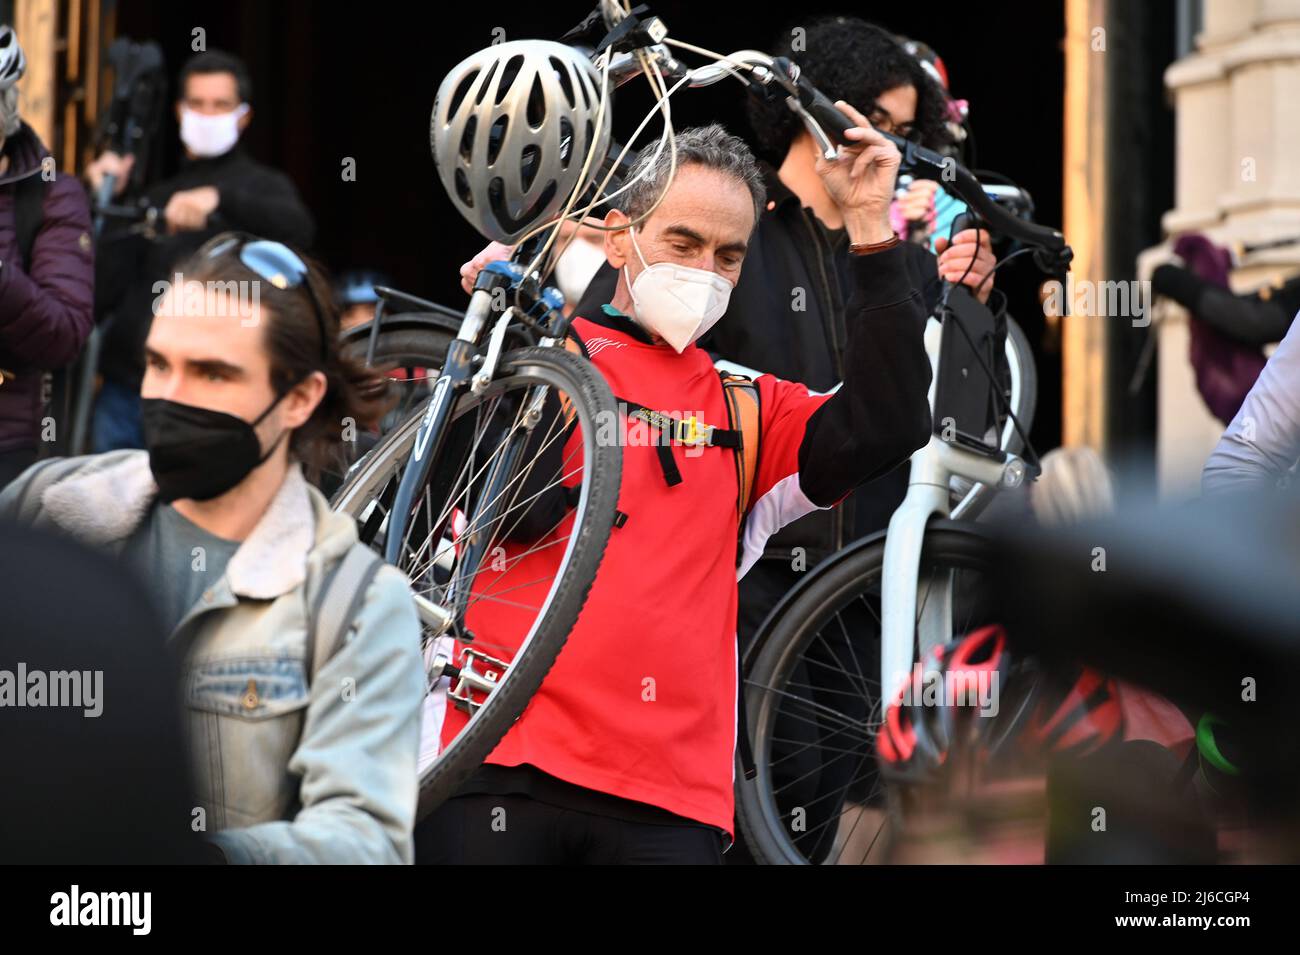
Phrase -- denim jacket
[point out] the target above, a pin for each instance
(288, 767)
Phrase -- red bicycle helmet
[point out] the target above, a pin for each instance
(1036, 715)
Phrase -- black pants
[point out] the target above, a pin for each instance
(517, 830)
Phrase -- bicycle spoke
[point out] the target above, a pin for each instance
(849, 643)
(847, 721)
(844, 795)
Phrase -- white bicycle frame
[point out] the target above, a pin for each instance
(928, 495)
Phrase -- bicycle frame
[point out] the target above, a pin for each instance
(465, 368)
(931, 470)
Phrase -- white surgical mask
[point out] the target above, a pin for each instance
(676, 302)
(214, 135)
(577, 267)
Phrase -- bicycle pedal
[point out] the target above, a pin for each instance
(468, 679)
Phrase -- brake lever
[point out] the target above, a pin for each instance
(803, 99)
(828, 149)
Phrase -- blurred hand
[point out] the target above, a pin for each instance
(493, 252)
(110, 164)
(189, 209)
(917, 204)
(965, 252)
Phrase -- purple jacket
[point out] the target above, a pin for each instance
(1225, 367)
(46, 305)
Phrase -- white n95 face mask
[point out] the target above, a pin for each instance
(215, 135)
(677, 302)
(576, 267)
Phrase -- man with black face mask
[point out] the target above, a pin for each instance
(299, 648)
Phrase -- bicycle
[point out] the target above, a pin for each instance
(407, 342)
(813, 695)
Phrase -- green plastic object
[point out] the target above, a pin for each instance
(1209, 748)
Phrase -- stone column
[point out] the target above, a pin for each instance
(1237, 179)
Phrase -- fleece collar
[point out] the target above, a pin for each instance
(104, 506)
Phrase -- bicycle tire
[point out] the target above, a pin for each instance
(412, 339)
(836, 581)
(1027, 401)
(405, 340)
(590, 396)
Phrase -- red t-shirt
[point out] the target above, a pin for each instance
(641, 702)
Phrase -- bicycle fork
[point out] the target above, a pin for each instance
(905, 636)
(456, 374)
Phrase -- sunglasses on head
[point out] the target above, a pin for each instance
(276, 263)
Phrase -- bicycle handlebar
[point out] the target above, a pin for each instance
(928, 164)
(766, 75)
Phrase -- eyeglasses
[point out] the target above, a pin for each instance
(880, 119)
(276, 263)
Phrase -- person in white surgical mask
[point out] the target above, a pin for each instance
(217, 187)
(212, 114)
(581, 257)
(676, 303)
(579, 261)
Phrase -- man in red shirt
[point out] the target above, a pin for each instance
(627, 752)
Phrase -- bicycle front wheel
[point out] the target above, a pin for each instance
(813, 698)
(501, 548)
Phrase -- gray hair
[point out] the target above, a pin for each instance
(709, 146)
(9, 118)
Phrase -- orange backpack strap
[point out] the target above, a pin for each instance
(743, 416)
(574, 343)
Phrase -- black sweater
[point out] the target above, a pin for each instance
(254, 199)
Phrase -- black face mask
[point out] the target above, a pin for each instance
(198, 453)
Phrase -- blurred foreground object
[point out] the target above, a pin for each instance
(103, 781)
(1198, 603)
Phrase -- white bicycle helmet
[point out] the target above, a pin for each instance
(12, 61)
(511, 129)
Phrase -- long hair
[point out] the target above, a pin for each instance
(850, 59)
